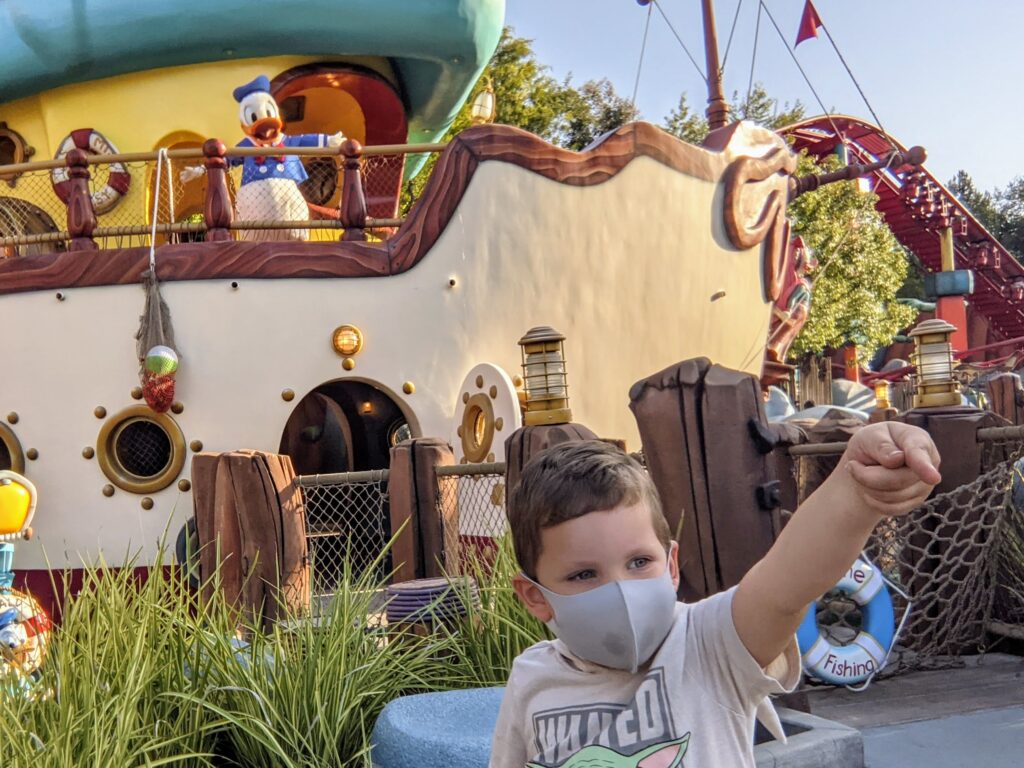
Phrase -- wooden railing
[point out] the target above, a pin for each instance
(83, 228)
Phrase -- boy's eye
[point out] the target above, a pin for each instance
(639, 562)
(583, 575)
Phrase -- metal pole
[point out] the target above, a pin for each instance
(718, 110)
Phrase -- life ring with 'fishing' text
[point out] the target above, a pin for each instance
(93, 142)
(866, 655)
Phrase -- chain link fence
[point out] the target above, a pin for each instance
(348, 526)
(471, 502)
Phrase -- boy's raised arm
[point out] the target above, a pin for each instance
(887, 469)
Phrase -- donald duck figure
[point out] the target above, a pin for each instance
(269, 190)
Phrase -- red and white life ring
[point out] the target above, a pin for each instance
(94, 143)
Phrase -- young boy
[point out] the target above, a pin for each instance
(635, 679)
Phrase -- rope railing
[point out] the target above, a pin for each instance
(983, 435)
(351, 189)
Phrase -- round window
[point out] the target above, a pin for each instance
(399, 432)
(477, 427)
(140, 451)
(11, 456)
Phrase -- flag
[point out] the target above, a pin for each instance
(809, 23)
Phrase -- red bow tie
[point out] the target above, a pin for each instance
(261, 159)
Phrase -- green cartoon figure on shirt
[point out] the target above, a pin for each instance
(668, 754)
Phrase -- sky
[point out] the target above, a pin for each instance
(946, 75)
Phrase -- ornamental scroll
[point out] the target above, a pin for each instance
(756, 192)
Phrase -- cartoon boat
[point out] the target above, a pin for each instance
(642, 250)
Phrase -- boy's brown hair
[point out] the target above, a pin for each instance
(570, 480)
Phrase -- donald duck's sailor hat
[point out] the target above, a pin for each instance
(260, 84)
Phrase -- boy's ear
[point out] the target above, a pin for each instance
(673, 563)
(532, 598)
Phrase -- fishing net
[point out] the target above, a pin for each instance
(158, 356)
(958, 556)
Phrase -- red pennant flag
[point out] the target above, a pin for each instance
(809, 23)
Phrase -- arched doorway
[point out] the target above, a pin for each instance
(178, 201)
(331, 97)
(345, 426)
(20, 217)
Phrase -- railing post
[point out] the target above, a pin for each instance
(353, 201)
(219, 213)
(81, 215)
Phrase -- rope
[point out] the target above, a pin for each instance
(680, 41)
(643, 47)
(807, 80)
(849, 71)
(753, 54)
(170, 186)
(732, 31)
(160, 158)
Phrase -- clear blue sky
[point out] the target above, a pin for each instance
(943, 74)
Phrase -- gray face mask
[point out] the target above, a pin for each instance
(620, 624)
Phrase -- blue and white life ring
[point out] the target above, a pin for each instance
(866, 655)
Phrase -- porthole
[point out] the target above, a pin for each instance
(477, 427)
(140, 451)
(11, 455)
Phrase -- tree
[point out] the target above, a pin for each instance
(592, 111)
(861, 267)
(981, 204)
(757, 106)
(683, 123)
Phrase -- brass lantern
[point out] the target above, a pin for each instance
(882, 394)
(933, 356)
(484, 108)
(547, 394)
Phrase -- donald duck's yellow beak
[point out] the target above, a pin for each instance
(266, 130)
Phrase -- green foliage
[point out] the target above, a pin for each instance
(146, 674)
(757, 106)
(861, 267)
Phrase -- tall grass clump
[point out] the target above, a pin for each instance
(308, 692)
(104, 697)
(499, 629)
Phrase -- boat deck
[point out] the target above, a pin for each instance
(970, 716)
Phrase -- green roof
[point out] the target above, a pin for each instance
(438, 48)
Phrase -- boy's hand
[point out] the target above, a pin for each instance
(893, 466)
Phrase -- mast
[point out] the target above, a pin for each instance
(717, 111)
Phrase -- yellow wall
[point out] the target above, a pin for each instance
(135, 112)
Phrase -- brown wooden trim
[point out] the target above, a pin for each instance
(429, 217)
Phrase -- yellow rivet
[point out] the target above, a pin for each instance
(459, 431)
(493, 392)
(108, 490)
(196, 446)
(479, 382)
(88, 452)
(100, 412)
(499, 423)
(136, 393)
(490, 457)
(177, 407)
(12, 417)
(465, 397)
(348, 363)
(147, 503)
(287, 395)
(408, 387)
(31, 454)
(517, 381)
(184, 485)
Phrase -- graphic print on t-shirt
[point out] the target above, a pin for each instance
(623, 731)
(667, 755)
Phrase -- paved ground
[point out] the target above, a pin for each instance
(992, 738)
(972, 717)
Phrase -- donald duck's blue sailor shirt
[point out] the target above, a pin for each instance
(273, 166)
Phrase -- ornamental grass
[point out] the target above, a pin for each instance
(143, 673)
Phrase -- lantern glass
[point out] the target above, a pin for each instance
(882, 394)
(545, 375)
(935, 363)
(482, 110)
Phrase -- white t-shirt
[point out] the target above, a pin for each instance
(692, 706)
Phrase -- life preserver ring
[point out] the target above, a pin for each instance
(94, 143)
(866, 655)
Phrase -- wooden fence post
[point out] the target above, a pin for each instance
(353, 200)
(81, 214)
(218, 211)
(415, 502)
